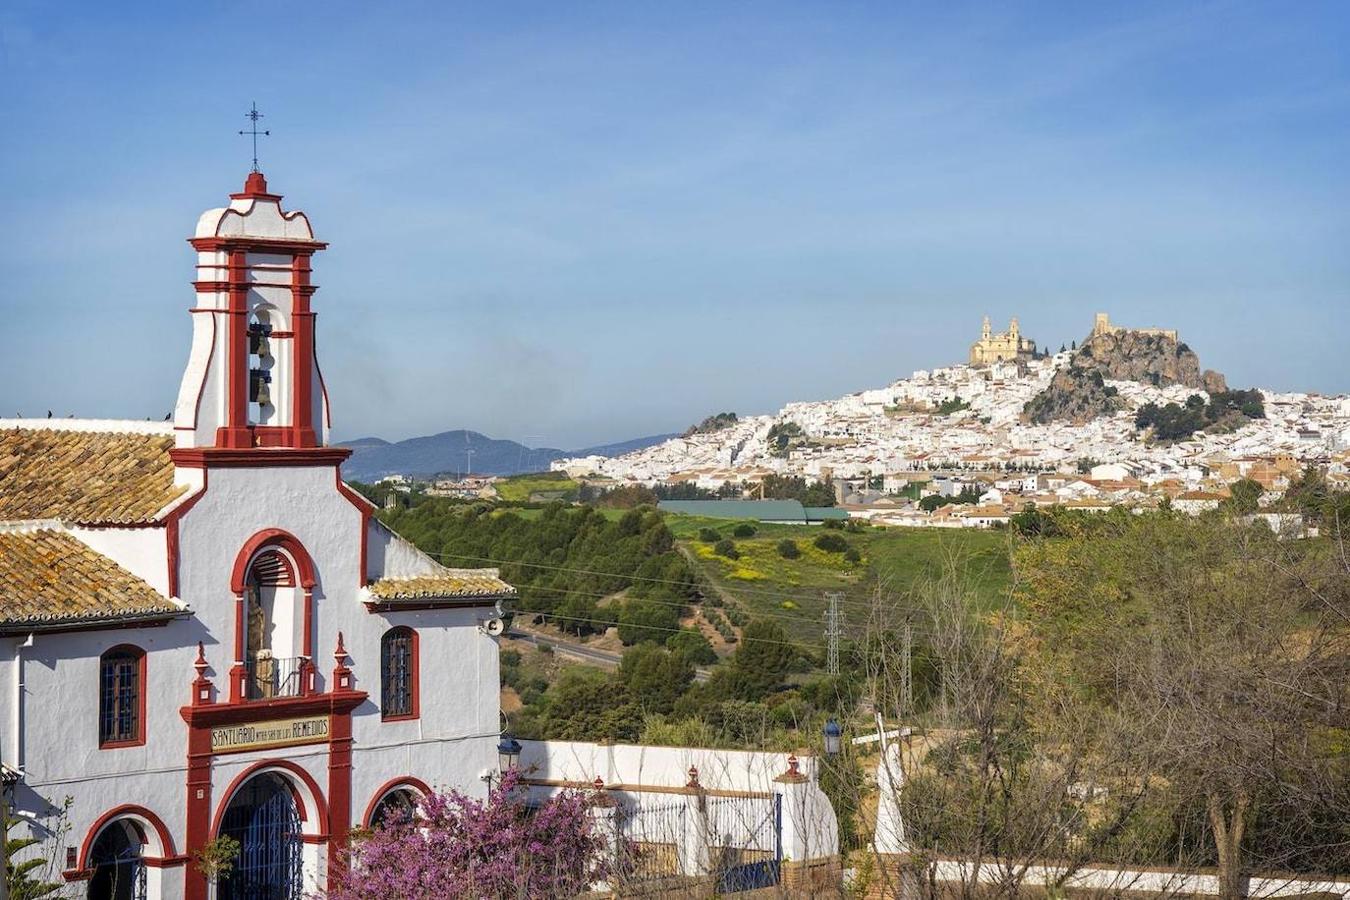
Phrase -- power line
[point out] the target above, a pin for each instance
(772, 614)
(780, 595)
(833, 629)
(756, 640)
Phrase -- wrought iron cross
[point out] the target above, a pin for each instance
(254, 116)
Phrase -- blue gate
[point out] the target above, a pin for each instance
(264, 819)
(119, 870)
(755, 858)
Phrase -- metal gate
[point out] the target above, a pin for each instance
(264, 819)
(749, 835)
(649, 840)
(119, 870)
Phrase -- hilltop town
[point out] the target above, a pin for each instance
(1082, 427)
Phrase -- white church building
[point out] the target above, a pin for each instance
(204, 632)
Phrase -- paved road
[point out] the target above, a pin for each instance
(605, 658)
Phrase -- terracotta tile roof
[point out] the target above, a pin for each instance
(84, 476)
(49, 578)
(458, 584)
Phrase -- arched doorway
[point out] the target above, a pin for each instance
(118, 863)
(264, 817)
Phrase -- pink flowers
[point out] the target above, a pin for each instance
(454, 846)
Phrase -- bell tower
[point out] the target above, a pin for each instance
(252, 378)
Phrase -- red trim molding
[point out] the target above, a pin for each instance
(336, 703)
(393, 784)
(272, 537)
(201, 719)
(166, 857)
(256, 457)
(142, 688)
(365, 507)
(284, 765)
(415, 688)
(254, 244)
(388, 606)
(171, 523)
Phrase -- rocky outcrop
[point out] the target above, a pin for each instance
(1147, 358)
(1075, 395)
(1078, 392)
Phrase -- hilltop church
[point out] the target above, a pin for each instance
(204, 632)
(1006, 345)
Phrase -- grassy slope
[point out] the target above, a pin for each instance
(517, 488)
(790, 591)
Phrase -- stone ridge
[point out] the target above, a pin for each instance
(1078, 392)
(1149, 358)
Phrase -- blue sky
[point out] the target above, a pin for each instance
(567, 224)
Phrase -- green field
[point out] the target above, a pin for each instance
(894, 560)
(518, 488)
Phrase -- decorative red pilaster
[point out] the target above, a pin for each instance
(236, 432)
(238, 673)
(307, 669)
(342, 676)
(201, 685)
(198, 809)
(339, 769)
(307, 640)
(302, 356)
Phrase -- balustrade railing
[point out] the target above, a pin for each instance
(270, 677)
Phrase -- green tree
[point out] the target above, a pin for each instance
(655, 678)
(1244, 496)
(787, 548)
(647, 620)
(693, 646)
(588, 705)
(759, 666)
(831, 543)
(727, 548)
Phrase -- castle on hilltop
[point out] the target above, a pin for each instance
(1005, 345)
(1102, 325)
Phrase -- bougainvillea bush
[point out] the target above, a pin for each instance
(455, 846)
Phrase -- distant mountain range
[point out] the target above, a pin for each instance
(373, 458)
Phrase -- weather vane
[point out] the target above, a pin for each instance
(253, 115)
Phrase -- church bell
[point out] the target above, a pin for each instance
(258, 387)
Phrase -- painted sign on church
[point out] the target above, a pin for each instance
(272, 733)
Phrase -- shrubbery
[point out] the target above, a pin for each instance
(831, 543)
(693, 646)
(787, 548)
(727, 548)
(1175, 422)
(561, 561)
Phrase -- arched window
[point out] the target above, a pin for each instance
(395, 806)
(398, 674)
(121, 697)
(271, 625)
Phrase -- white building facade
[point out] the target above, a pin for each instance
(204, 632)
